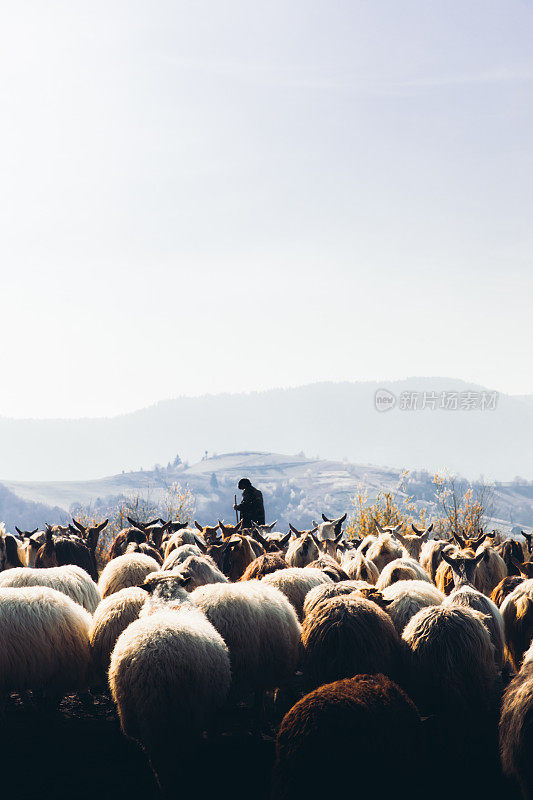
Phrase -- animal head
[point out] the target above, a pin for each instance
(90, 533)
(209, 533)
(229, 530)
(525, 568)
(270, 545)
(463, 566)
(336, 523)
(529, 540)
(413, 541)
(392, 529)
(466, 543)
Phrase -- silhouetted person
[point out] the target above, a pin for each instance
(251, 508)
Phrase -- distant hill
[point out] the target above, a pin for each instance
(296, 489)
(330, 420)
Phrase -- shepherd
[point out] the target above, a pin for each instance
(251, 508)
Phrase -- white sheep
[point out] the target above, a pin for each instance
(181, 537)
(406, 598)
(327, 590)
(179, 555)
(70, 579)
(359, 568)
(401, 569)
(295, 582)
(303, 550)
(128, 570)
(469, 597)
(112, 616)
(200, 570)
(169, 673)
(261, 629)
(45, 642)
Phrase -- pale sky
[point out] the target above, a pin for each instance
(225, 196)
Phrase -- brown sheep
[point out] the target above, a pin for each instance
(516, 732)
(505, 587)
(517, 613)
(263, 565)
(347, 635)
(377, 735)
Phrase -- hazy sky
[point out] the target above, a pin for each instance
(222, 196)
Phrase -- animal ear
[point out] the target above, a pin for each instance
(73, 530)
(296, 532)
(459, 539)
(447, 559)
(198, 526)
(480, 556)
(136, 524)
(78, 525)
(416, 530)
(285, 540)
(428, 530)
(19, 531)
(315, 524)
(339, 537)
(343, 518)
(102, 525)
(239, 526)
(378, 526)
(256, 535)
(325, 518)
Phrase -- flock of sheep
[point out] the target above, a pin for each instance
(375, 662)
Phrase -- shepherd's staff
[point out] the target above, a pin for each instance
(236, 512)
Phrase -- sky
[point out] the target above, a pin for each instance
(229, 196)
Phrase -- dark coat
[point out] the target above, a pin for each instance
(251, 509)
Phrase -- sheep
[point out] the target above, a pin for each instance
(412, 542)
(45, 642)
(430, 556)
(232, 556)
(124, 538)
(70, 580)
(58, 551)
(184, 536)
(377, 735)
(331, 567)
(384, 550)
(302, 550)
(347, 635)
(469, 597)
(511, 551)
(261, 630)
(295, 582)
(490, 571)
(147, 549)
(200, 570)
(406, 598)
(452, 671)
(516, 739)
(401, 569)
(127, 570)
(169, 674)
(360, 568)
(179, 555)
(112, 616)
(31, 542)
(271, 542)
(365, 544)
(209, 533)
(264, 565)
(517, 613)
(457, 568)
(505, 587)
(327, 590)
(329, 534)
(11, 552)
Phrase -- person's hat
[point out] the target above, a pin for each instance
(244, 483)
